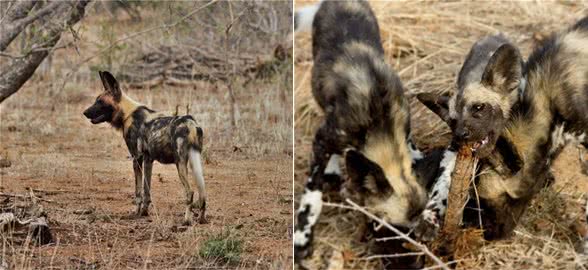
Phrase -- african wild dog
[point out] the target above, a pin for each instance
(366, 120)
(523, 113)
(152, 136)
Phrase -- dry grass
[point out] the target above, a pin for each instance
(426, 43)
(53, 147)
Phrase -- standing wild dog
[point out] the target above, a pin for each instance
(366, 119)
(522, 113)
(152, 136)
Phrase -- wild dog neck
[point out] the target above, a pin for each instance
(122, 118)
(535, 117)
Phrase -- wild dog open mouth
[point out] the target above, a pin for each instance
(97, 119)
(479, 144)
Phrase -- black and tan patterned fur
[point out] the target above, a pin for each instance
(151, 136)
(544, 107)
(366, 121)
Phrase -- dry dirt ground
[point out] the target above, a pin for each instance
(53, 148)
(426, 45)
(83, 174)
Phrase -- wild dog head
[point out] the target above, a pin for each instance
(486, 91)
(389, 191)
(106, 106)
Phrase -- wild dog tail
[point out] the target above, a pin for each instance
(196, 164)
(195, 156)
(304, 16)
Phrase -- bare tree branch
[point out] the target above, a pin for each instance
(13, 76)
(11, 30)
(18, 10)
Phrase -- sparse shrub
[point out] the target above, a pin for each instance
(222, 247)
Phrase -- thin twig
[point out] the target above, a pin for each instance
(397, 255)
(420, 246)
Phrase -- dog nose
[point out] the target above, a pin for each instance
(462, 134)
(86, 113)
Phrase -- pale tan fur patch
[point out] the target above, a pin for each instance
(478, 93)
(379, 149)
(355, 7)
(127, 106)
(574, 56)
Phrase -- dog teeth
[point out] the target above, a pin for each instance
(485, 141)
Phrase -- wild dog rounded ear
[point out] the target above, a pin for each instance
(110, 84)
(439, 104)
(365, 175)
(504, 70)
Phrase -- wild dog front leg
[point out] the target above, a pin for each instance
(147, 168)
(182, 167)
(324, 162)
(138, 170)
(430, 220)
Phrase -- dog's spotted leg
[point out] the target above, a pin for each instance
(182, 167)
(138, 170)
(324, 162)
(147, 168)
(434, 212)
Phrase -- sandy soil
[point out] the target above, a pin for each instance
(81, 167)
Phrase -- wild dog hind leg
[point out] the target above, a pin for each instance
(138, 170)
(182, 167)
(147, 168)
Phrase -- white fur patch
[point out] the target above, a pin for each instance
(451, 105)
(415, 153)
(441, 186)
(313, 201)
(196, 162)
(560, 138)
(333, 165)
(305, 17)
(179, 142)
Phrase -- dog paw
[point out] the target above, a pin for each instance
(203, 220)
(302, 252)
(427, 227)
(143, 212)
(186, 222)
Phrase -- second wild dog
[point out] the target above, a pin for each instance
(366, 120)
(532, 109)
(151, 136)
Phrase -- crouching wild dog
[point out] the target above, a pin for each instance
(523, 113)
(151, 136)
(366, 119)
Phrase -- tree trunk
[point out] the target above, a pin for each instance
(63, 15)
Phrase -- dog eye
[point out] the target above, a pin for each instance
(478, 107)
